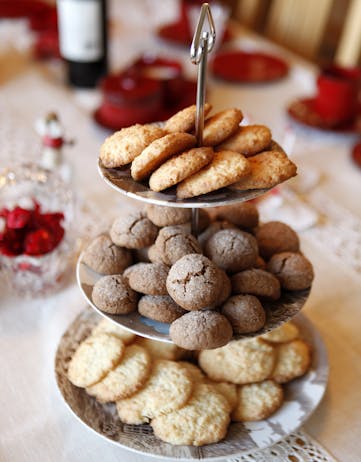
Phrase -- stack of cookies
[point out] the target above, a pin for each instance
(208, 288)
(185, 402)
(243, 157)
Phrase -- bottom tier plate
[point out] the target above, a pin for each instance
(302, 396)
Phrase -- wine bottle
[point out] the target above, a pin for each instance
(83, 40)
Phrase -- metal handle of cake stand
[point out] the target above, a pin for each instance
(203, 42)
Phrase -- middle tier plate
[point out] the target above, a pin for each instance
(277, 312)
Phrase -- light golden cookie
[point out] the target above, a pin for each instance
(284, 333)
(195, 373)
(240, 362)
(161, 350)
(267, 170)
(158, 152)
(125, 145)
(180, 167)
(94, 358)
(109, 327)
(248, 140)
(168, 388)
(226, 168)
(126, 378)
(293, 360)
(221, 126)
(226, 389)
(184, 120)
(257, 401)
(203, 420)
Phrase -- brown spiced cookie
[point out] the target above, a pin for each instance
(168, 216)
(221, 126)
(194, 282)
(184, 120)
(148, 278)
(213, 228)
(232, 249)
(293, 360)
(225, 288)
(113, 295)
(256, 282)
(153, 254)
(161, 308)
(245, 313)
(226, 168)
(260, 263)
(133, 231)
(244, 215)
(141, 255)
(125, 145)
(158, 152)
(104, 257)
(276, 237)
(248, 140)
(173, 243)
(176, 169)
(293, 270)
(201, 330)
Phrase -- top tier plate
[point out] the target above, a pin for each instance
(121, 180)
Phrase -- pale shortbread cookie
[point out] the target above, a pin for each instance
(161, 350)
(293, 360)
(221, 126)
(176, 169)
(195, 373)
(240, 362)
(109, 327)
(248, 140)
(126, 378)
(94, 358)
(158, 152)
(203, 420)
(184, 120)
(284, 333)
(168, 388)
(226, 168)
(267, 170)
(257, 401)
(226, 389)
(125, 145)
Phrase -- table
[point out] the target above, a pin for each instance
(34, 423)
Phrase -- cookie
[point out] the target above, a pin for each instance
(283, 334)
(240, 362)
(148, 278)
(276, 237)
(248, 140)
(293, 270)
(221, 126)
(194, 282)
(94, 358)
(168, 216)
(198, 330)
(267, 170)
(113, 295)
(225, 288)
(245, 313)
(184, 120)
(260, 263)
(126, 378)
(104, 257)
(124, 146)
(109, 327)
(158, 152)
(293, 360)
(257, 401)
(226, 389)
(203, 420)
(141, 255)
(133, 231)
(256, 282)
(161, 350)
(226, 168)
(213, 228)
(161, 308)
(173, 243)
(244, 215)
(232, 250)
(167, 389)
(195, 373)
(177, 168)
(153, 255)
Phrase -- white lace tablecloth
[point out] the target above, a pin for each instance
(34, 423)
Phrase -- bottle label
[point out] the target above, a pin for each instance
(80, 30)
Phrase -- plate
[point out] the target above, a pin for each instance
(248, 67)
(302, 396)
(302, 111)
(277, 312)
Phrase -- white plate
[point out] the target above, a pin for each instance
(302, 396)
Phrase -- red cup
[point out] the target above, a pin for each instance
(337, 98)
